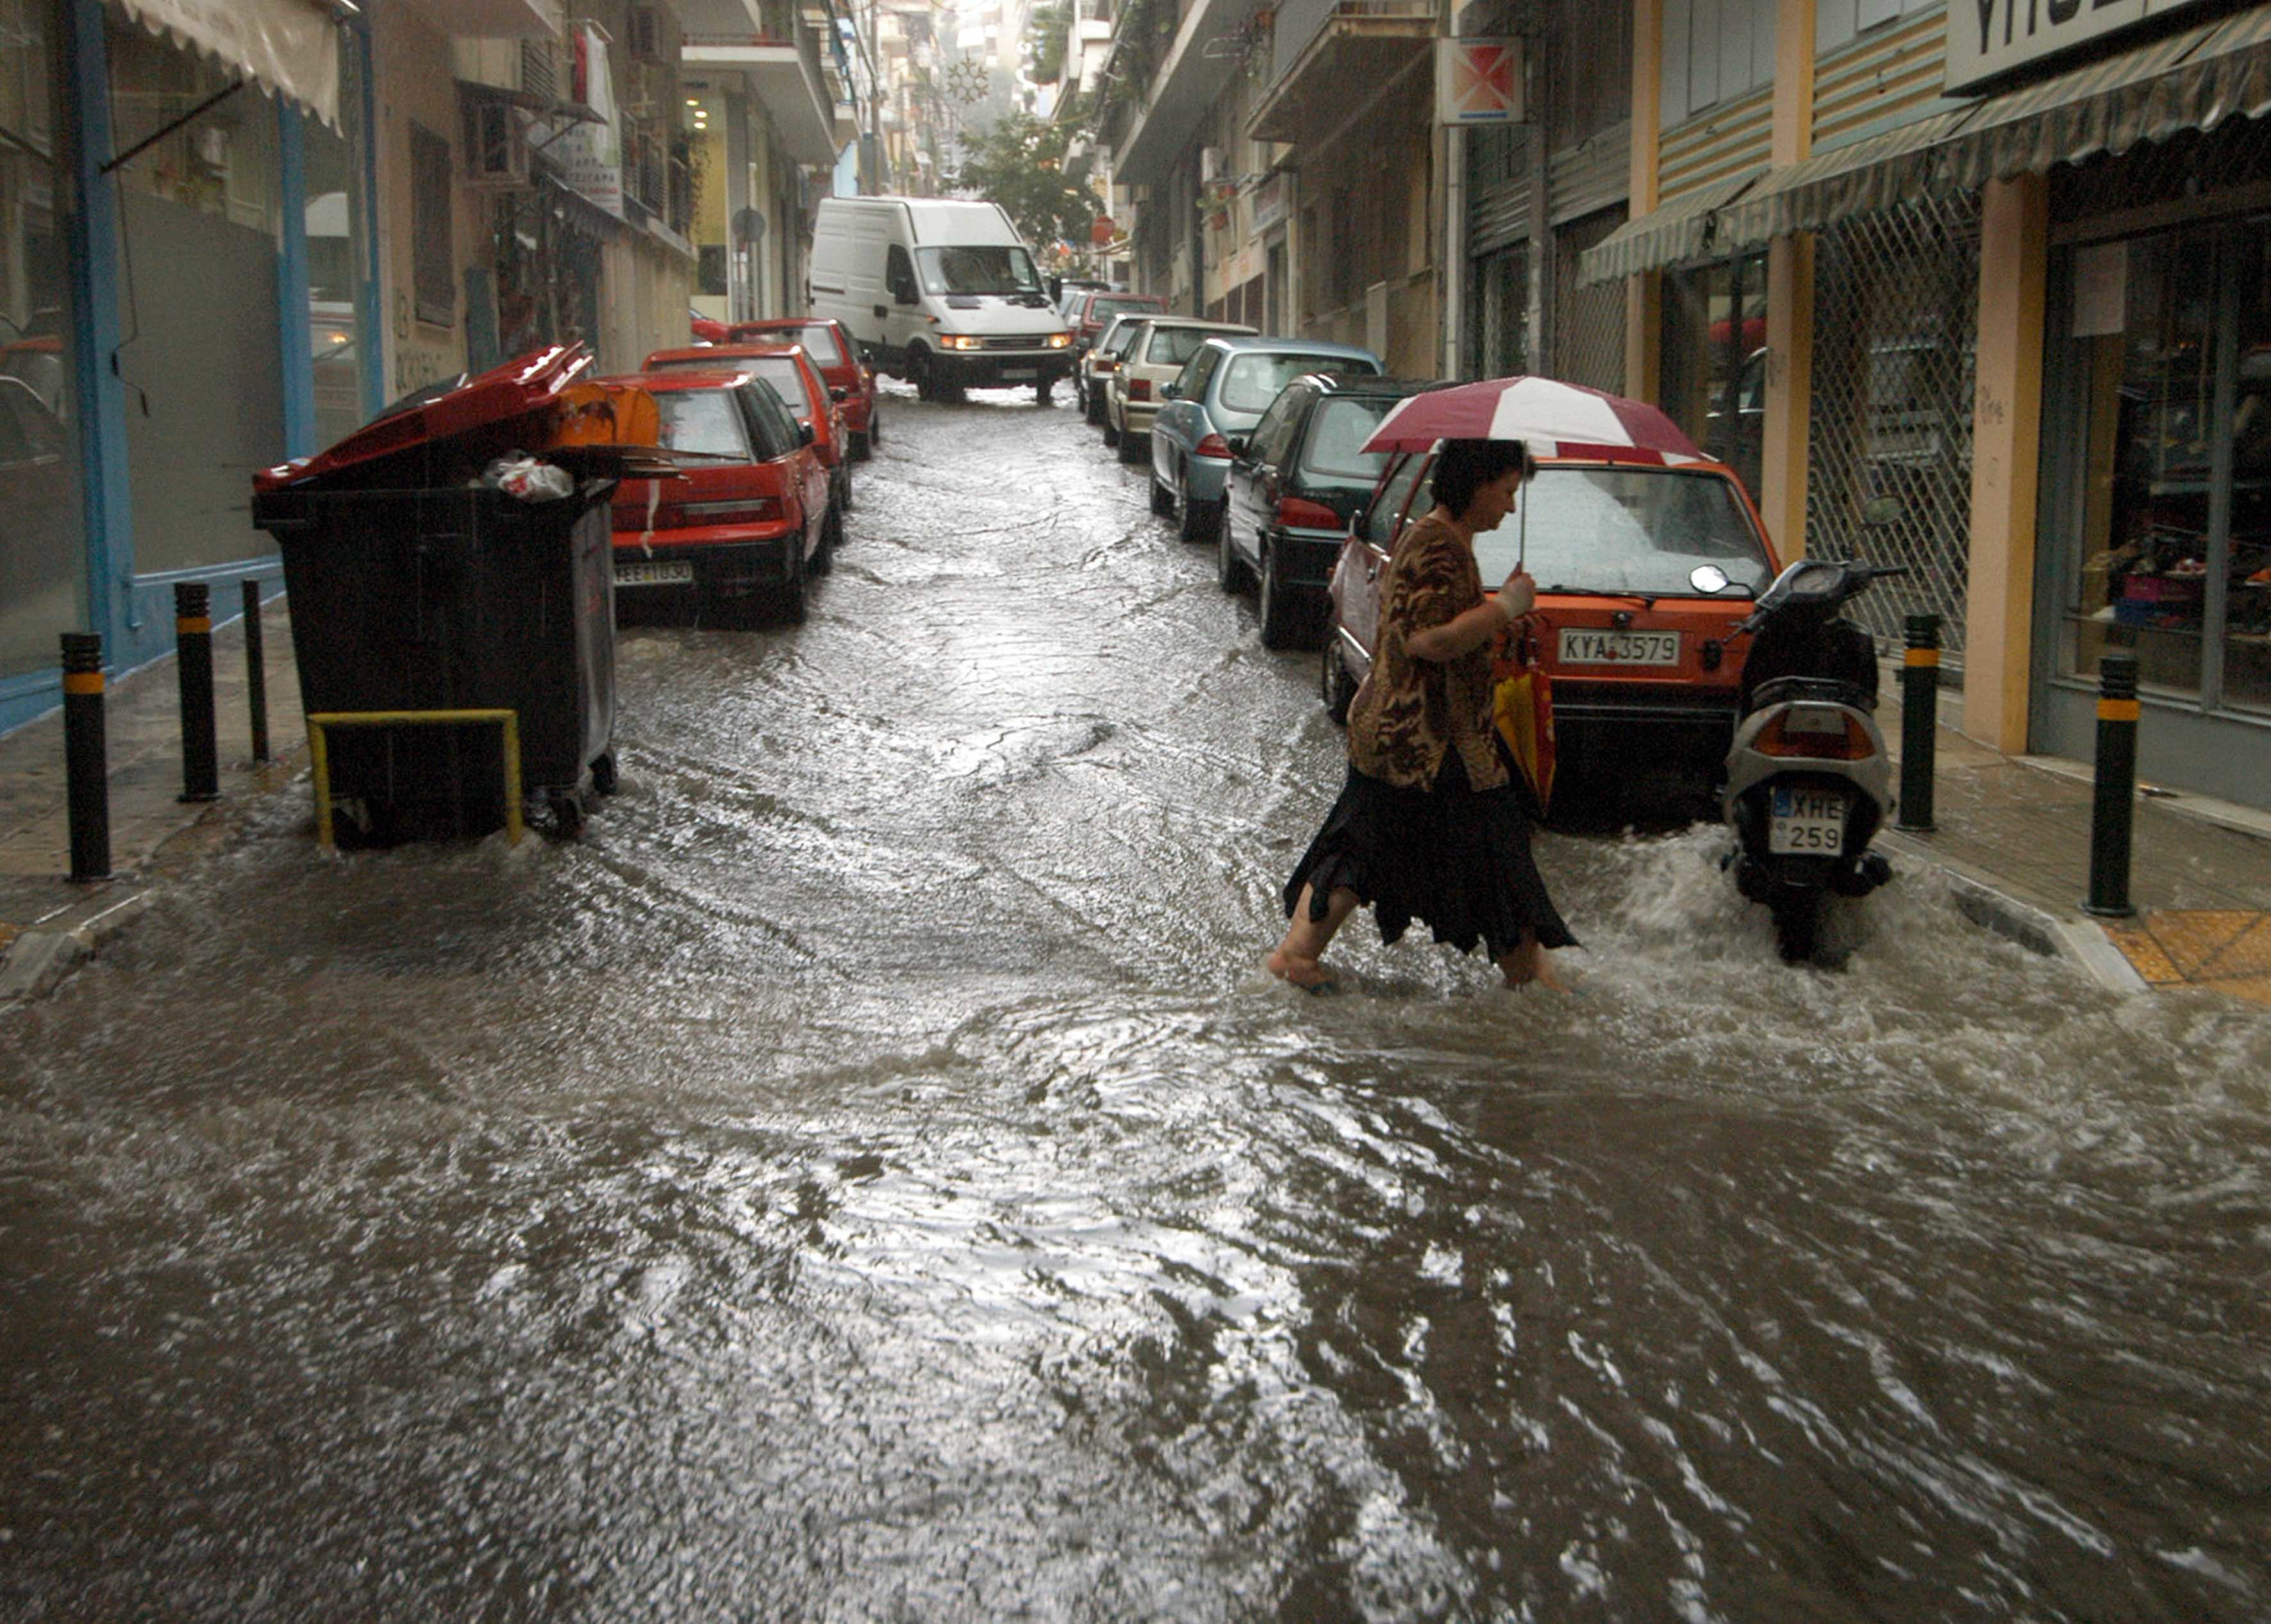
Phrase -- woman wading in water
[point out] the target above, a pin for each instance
(1429, 825)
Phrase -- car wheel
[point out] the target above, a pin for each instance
(863, 446)
(1282, 620)
(1111, 433)
(1163, 500)
(875, 431)
(1229, 568)
(831, 536)
(796, 593)
(844, 498)
(1334, 685)
(1094, 408)
(1133, 447)
(1197, 520)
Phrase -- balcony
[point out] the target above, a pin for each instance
(492, 20)
(1328, 58)
(1194, 69)
(785, 77)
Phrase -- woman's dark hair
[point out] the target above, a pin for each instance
(1466, 466)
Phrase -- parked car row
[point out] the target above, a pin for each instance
(766, 425)
(1256, 445)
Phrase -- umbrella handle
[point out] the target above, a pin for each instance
(1522, 548)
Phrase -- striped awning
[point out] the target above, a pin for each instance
(2192, 79)
(1686, 229)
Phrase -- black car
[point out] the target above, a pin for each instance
(1294, 482)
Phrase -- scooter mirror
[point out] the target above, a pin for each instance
(1708, 578)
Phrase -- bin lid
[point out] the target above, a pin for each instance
(455, 409)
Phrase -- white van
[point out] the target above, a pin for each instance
(941, 292)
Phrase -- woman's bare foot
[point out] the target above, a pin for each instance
(1308, 973)
(1528, 963)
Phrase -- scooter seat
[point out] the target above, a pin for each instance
(1810, 691)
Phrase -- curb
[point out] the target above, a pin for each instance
(1980, 898)
(38, 960)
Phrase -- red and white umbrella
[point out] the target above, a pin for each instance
(1552, 419)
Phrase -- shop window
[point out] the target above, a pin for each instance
(1714, 379)
(42, 545)
(338, 257)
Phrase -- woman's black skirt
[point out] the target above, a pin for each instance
(1455, 858)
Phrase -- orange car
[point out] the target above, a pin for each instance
(749, 517)
(851, 380)
(788, 368)
(1642, 572)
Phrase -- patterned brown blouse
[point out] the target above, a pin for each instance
(1411, 710)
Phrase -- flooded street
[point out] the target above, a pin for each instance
(869, 1178)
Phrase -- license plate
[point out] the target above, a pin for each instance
(673, 573)
(1806, 822)
(1020, 372)
(1583, 646)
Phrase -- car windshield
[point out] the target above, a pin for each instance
(1626, 529)
(989, 268)
(701, 422)
(1117, 338)
(819, 341)
(1172, 347)
(1253, 381)
(1104, 310)
(781, 371)
(1336, 439)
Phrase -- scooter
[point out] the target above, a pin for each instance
(1807, 781)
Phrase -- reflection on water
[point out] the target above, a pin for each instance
(870, 1178)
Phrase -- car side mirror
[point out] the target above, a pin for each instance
(837, 391)
(1171, 391)
(1238, 442)
(804, 435)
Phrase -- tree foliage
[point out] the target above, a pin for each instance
(1049, 32)
(1020, 164)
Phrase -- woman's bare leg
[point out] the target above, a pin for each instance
(1297, 957)
(1526, 962)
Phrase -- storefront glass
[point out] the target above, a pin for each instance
(338, 257)
(2172, 364)
(1715, 374)
(200, 224)
(43, 543)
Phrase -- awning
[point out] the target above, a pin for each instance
(288, 47)
(1686, 229)
(2193, 79)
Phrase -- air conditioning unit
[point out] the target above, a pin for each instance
(496, 143)
(648, 33)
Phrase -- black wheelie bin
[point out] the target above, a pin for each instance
(416, 586)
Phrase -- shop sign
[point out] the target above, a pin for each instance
(589, 157)
(1478, 81)
(1269, 204)
(1989, 39)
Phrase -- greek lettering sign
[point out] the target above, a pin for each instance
(1987, 39)
(1478, 81)
(590, 157)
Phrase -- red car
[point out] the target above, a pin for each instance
(1642, 573)
(790, 369)
(747, 517)
(1092, 312)
(851, 380)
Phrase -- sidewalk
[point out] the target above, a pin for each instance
(2014, 832)
(47, 922)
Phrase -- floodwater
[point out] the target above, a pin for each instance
(867, 1178)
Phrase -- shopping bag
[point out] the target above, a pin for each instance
(1523, 709)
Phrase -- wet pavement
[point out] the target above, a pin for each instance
(868, 1178)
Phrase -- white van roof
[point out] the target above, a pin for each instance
(947, 220)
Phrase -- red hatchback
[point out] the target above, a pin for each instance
(746, 520)
(789, 368)
(849, 380)
(1642, 573)
(1092, 312)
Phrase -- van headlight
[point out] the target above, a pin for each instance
(960, 341)
(1058, 340)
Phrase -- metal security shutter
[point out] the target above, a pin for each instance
(1895, 321)
(1584, 179)
(1589, 323)
(1498, 189)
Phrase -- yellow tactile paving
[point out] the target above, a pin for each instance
(2226, 950)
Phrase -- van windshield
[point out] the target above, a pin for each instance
(989, 268)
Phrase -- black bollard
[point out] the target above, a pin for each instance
(87, 752)
(193, 662)
(1919, 722)
(256, 671)
(2114, 806)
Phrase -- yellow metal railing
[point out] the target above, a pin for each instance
(319, 754)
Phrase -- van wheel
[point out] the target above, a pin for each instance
(1044, 391)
